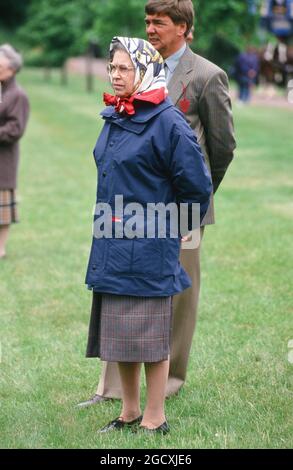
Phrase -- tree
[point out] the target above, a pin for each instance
(51, 30)
(12, 14)
(57, 29)
(224, 28)
(232, 20)
(118, 18)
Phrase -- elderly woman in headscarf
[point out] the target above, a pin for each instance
(146, 154)
(14, 110)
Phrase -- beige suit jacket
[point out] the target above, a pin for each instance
(209, 113)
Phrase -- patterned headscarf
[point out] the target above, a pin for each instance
(149, 69)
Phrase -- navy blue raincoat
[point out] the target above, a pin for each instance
(150, 157)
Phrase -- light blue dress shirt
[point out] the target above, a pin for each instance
(171, 63)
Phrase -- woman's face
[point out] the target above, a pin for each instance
(123, 74)
(5, 70)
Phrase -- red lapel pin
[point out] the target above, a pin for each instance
(184, 103)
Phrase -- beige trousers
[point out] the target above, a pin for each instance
(183, 326)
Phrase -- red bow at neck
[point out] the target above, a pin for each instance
(126, 105)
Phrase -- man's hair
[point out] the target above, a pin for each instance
(14, 57)
(180, 11)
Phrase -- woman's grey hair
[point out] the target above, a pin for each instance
(116, 46)
(12, 55)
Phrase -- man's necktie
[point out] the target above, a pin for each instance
(167, 73)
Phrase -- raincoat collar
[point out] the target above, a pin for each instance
(144, 113)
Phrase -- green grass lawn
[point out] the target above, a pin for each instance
(240, 382)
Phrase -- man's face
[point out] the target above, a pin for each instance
(6, 71)
(166, 36)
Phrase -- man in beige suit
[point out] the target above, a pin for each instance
(200, 89)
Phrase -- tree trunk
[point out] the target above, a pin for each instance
(47, 73)
(64, 75)
(89, 73)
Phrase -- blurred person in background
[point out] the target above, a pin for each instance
(246, 71)
(14, 111)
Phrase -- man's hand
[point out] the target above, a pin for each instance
(187, 238)
(191, 240)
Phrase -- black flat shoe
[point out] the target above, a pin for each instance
(118, 424)
(163, 429)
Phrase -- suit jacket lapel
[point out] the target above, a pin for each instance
(182, 76)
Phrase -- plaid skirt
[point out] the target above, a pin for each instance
(130, 329)
(8, 207)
